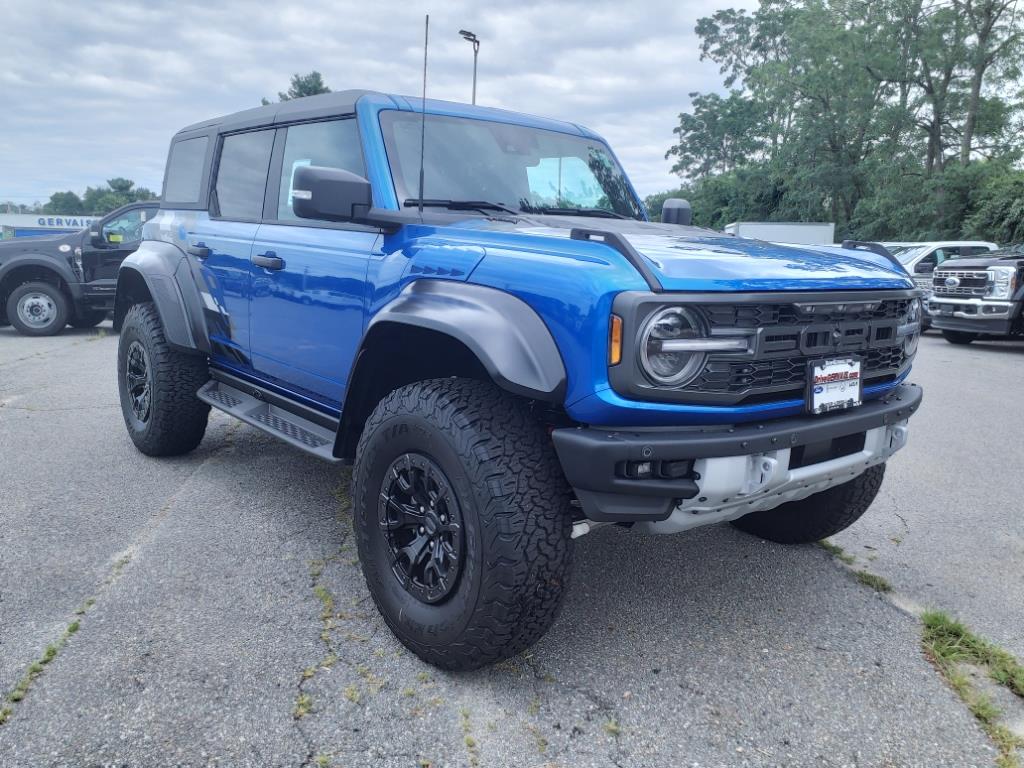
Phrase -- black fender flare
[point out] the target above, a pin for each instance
(166, 273)
(59, 267)
(507, 336)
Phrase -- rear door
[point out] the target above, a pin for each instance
(223, 241)
(307, 309)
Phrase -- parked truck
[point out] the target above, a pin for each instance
(488, 328)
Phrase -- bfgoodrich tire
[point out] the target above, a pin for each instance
(819, 516)
(959, 337)
(158, 386)
(38, 309)
(462, 521)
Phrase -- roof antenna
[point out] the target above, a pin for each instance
(423, 108)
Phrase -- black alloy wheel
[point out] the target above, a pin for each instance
(419, 516)
(138, 384)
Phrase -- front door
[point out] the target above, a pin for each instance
(222, 242)
(308, 277)
(111, 240)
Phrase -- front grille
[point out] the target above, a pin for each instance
(949, 282)
(788, 339)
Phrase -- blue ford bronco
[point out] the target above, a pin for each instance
(471, 307)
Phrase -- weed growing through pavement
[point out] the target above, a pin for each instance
(837, 551)
(877, 583)
(952, 647)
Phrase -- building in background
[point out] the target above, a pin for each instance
(36, 224)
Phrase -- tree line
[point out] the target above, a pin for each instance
(97, 200)
(896, 119)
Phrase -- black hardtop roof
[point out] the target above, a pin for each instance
(306, 108)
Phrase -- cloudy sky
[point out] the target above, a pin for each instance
(93, 90)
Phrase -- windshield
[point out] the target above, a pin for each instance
(523, 168)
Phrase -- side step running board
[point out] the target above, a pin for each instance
(295, 430)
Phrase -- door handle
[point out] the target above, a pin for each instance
(199, 250)
(268, 260)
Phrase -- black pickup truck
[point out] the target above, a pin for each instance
(47, 283)
(975, 296)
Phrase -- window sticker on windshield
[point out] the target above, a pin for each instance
(291, 182)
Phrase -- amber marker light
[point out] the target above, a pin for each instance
(615, 341)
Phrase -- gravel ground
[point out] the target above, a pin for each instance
(224, 597)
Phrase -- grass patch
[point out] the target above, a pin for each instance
(352, 694)
(612, 728)
(950, 645)
(472, 749)
(951, 642)
(303, 706)
(836, 551)
(877, 583)
(322, 761)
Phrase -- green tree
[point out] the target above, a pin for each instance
(302, 85)
(861, 112)
(64, 203)
(115, 193)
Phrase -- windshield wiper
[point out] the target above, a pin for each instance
(551, 210)
(460, 205)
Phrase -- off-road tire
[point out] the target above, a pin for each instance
(515, 507)
(87, 318)
(819, 516)
(959, 337)
(177, 418)
(61, 310)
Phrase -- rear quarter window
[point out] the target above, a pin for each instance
(184, 178)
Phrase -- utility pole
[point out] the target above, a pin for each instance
(470, 37)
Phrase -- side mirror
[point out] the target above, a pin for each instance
(924, 268)
(330, 194)
(96, 238)
(677, 211)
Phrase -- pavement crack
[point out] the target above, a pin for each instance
(119, 564)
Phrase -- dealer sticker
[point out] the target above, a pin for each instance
(834, 385)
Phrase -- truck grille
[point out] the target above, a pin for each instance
(788, 338)
(960, 282)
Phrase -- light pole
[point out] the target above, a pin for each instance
(467, 35)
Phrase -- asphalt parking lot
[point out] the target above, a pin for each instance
(220, 617)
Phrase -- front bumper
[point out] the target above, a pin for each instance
(972, 315)
(732, 471)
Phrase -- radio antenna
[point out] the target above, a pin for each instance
(423, 107)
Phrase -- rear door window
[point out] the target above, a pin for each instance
(242, 175)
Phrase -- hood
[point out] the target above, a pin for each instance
(48, 244)
(695, 259)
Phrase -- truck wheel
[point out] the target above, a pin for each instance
(819, 516)
(959, 337)
(37, 309)
(88, 318)
(462, 521)
(158, 386)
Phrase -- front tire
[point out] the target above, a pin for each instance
(959, 337)
(38, 309)
(462, 521)
(158, 386)
(819, 516)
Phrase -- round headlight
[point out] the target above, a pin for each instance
(912, 339)
(661, 364)
(914, 311)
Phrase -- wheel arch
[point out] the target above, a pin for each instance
(27, 270)
(159, 272)
(439, 329)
